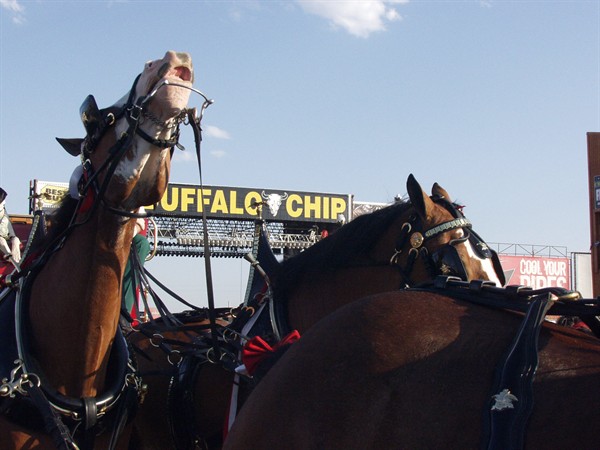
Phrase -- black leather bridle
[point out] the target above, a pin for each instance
(445, 260)
(97, 122)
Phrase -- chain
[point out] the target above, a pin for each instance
(170, 124)
(133, 379)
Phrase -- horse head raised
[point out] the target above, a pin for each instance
(69, 298)
(152, 110)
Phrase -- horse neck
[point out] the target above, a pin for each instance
(319, 294)
(322, 294)
(75, 304)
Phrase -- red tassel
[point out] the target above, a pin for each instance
(257, 349)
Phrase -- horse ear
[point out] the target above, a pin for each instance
(419, 199)
(440, 191)
(73, 146)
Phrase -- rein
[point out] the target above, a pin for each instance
(195, 122)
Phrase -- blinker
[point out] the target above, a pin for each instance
(90, 115)
(447, 261)
(480, 247)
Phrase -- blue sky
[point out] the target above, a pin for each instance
(492, 99)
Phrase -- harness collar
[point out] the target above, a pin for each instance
(65, 419)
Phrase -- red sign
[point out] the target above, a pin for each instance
(536, 272)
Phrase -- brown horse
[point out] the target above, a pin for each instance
(161, 359)
(405, 244)
(69, 298)
(415, 370)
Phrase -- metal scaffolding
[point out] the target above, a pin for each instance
(178, 236)
(533, 250)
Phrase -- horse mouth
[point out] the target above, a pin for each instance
(183, 73)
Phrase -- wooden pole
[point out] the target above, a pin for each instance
(593, 144)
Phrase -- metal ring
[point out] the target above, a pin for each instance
(160, 338)
(211, 357)
(227, 357)
(395, 256)
(229, 335)
(176, 353)
(155, 240)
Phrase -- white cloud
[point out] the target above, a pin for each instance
(183, 156)
(189, 156)
(17, 9)
(12, 5)
(239, 10)
(218, 153)
(215, 132)
(359, 18)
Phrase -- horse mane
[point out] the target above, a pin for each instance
(56, 223)
(352, 240)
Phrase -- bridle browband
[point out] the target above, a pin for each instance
(461, 222)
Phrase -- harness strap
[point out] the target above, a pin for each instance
(195, 123)
(162, 143)
(512, 402)
(53, 424)
(90, 419)
(125, 410)
(181, 416)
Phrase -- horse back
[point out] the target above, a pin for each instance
(415, 370)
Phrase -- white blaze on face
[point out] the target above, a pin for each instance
(165, 105)
(486, 264)
(128, 169)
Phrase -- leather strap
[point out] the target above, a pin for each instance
(53, 424)
(90, 419)
(512, 401)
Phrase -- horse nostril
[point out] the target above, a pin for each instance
(183, 57)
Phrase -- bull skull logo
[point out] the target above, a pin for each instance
(274, 201)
